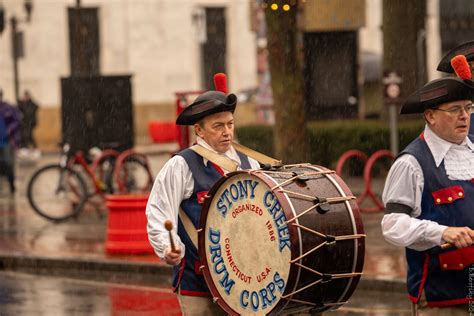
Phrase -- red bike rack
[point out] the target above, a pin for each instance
(368, 181)
(369, 165)
(349, 154)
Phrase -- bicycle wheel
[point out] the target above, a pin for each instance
(103, 168)
(57, 193)
(133, 175)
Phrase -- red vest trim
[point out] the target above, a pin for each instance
(457, 259)
(181, 270)
(194, 293)
(448, 195)
(423, 280)
(219, 169)
(449, 302)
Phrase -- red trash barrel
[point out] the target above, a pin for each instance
(126, 229)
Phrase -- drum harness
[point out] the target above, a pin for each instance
(321, 204)
(265, 161)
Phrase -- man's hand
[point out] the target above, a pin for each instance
(173, 258)
(459, 236)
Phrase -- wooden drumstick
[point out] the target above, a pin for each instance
(169, 228)
(446, 245)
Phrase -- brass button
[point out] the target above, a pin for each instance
(445, 266)
(450, 199)
(460, 194)
(438, 200)
(461, 265)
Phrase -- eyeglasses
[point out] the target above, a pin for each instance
(457, 110)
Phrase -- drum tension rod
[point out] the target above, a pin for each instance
(330, 240)
(300, 176)
(323, 205)
(326, 278)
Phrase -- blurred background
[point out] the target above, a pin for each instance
(106, 68)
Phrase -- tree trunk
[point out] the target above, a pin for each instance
(403, 24)
(284, 54)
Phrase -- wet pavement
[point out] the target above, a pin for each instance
(76, 249)
(24, 294)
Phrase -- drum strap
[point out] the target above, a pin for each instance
(261, 158)
(230, 165)
(219, 160)
(188, 227)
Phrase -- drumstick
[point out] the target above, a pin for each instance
(446, 245)
(169, 227)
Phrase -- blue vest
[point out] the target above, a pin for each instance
(188, 275)
(442, 274)
(471, 127)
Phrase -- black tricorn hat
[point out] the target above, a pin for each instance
(208, 103)
(437, 92)
(466, 49)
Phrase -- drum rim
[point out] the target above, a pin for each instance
(294, 239)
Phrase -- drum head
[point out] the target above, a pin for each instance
(245, 244)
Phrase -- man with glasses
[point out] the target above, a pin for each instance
(429, 199)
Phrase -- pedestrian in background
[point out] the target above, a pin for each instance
(429, 199)
(28, 108)
(10, 119)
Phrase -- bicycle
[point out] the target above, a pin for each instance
(59, 192)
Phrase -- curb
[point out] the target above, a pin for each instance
(156, 274)
(118, 271)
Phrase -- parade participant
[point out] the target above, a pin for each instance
(429, 199)
(467, 50)
(180, 187)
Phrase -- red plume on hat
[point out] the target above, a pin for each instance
(220, 82)
(461, 67)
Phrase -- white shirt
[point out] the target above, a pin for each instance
(173, 184)
(405, 183)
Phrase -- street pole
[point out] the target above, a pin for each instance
(392, 82)
(392, 113)
(16, 83)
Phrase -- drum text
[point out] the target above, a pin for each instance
(218, 262)
(236, 191)
(263, 275)
(247, 207)
(243, 277)
(264, 297)
(270, 230)
(274, 208)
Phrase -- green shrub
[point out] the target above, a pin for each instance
(327, 141)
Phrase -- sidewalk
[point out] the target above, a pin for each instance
(77, 248)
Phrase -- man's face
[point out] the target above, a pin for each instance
(217, 130)
(450, 121)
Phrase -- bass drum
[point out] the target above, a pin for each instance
(281, 241)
